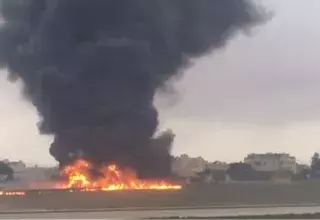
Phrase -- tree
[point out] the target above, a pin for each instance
(315, 165)
(314, 159)
(244, 172)
(6, 171)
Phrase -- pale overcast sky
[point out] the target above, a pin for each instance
(260, 94)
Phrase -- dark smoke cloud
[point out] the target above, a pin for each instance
(92, 67)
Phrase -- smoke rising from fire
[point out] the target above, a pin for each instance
(92, 68)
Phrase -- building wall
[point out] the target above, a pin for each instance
(18, 166)
(186, 166)
(271, 162)
(217, 165)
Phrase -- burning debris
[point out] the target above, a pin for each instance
(92, 68)
(110, 178)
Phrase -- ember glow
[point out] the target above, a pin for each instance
(112, 178)
(12, 193)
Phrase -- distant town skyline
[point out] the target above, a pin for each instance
(259, 94)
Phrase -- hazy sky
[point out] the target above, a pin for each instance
(259, 94)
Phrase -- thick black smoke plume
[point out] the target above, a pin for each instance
(92, 67)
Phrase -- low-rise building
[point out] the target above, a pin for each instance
(271, 162)
(17, 166)
(217, 165)
(186, 166)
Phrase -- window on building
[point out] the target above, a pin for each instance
(257, 163)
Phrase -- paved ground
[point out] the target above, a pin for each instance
(195, 195)
(192, 195)
(162, 213)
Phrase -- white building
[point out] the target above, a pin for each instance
(186, 166)
(16, 166)
(272, 162)
(218, 165)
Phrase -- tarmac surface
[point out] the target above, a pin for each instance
(204, 195)
(198, 200)
(145, 214)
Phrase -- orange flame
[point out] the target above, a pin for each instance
(12, 193)
(112, 179)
